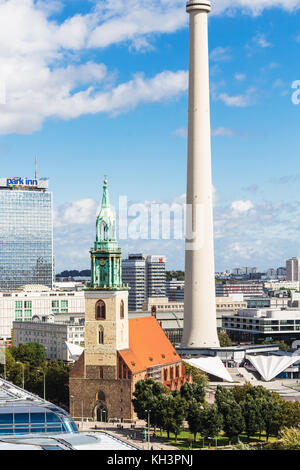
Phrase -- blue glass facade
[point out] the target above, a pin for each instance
(26, 238)
(32, 419)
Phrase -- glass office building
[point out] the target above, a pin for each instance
(26, 233)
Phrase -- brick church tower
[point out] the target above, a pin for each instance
(94, 386)
(118, 352)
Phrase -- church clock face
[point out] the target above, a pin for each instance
(102, 262)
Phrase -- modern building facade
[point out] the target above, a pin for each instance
(257, 325)
(175, 290)
(145, 276)
(26, 233)
(293, 269)
(28, 305)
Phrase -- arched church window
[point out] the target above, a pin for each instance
(103, 231)
(122, 309)
(101, 335)
(100, 310)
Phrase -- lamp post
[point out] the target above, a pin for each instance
(72, 413)
(104, 421)
(148, 411)
(43, 372)
(23, 375)
(82, 414)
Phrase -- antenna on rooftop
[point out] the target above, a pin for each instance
(35, 174)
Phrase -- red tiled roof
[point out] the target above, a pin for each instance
(148, 345)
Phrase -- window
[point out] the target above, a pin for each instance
(122, 309)
(101, 335)
(18, 315)
(100, 313)
(101, 396)
(100, 373)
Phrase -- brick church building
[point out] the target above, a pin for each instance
(118, 352)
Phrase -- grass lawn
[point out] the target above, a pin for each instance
(185, 439)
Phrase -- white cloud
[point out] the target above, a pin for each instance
(237, 101)
(181, 132)
(218, 131)
(261, 41)
(220, 54)
(41, 59)
(244, 231)
(240, 77)
(223, 132)
(79, 212)
(241, 207)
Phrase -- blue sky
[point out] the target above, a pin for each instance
(100, 87)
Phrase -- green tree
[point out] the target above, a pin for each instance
(233, 418)
(269, 411)
(197, 376)
(289, 440)
(211, 421)
(31, 353)
(173, 414)
(194, 418)
(193, 390)
(224, 339)
(252, 416)
(147, 396)
(222, 396)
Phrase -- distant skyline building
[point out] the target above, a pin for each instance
(175, 290)
(26, 233)
(146, 277)
(245, 270)
(247, 288)
(293, 269)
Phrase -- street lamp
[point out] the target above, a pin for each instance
(23, 378)
(104, 421)
(72, 413)
(148, 411)
(43, 372)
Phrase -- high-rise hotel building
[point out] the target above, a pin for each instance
(26, 233)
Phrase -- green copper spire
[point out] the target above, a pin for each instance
(106, 259)
(106, 223)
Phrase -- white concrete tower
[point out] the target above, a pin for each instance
(200, 324)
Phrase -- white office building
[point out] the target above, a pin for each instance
(28, 305)
(52, 335)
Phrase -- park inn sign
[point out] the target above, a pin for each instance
(19, 182)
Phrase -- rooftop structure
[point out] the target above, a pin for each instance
(28, 422)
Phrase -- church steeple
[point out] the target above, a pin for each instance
(106, 223)
(106, 264)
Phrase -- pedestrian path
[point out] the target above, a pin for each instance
(134, 436)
